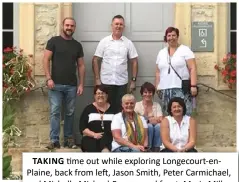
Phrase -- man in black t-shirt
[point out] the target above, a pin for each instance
(67, 58)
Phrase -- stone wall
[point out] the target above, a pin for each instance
(46, 26)
(216, 13)
(216, 118)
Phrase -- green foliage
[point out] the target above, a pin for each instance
(7, 169)
(17, 80)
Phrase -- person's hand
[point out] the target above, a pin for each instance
(139, 147)
(153, 120)
(194, 91)
(80, 89)
(50, 84)
(98, 135)
(180, 150)
(97, 81)
(132, 86)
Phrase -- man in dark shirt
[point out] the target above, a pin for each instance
(67, 57)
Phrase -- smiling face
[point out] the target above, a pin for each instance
(172, 38)
(100, 97)
(147, 95)
(176, 109)
(128, 105)
(69, 27)
(117, 26)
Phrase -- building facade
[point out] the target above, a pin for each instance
(34, 23)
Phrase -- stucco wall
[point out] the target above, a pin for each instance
(216, 114)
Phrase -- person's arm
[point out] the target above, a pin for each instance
(81, 71)
(146, 137)
(97, 59)
(120, 140)
(164, 131)
(48, 53)
(191, 64)
(83, 125)
(96, 69)
(133, 57)
(117, 133)
(157, 78)
(134, 63)
(159, 113)
(192, 135)
(46, 63)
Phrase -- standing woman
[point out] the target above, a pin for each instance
(175, 63)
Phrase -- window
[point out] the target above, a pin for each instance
(233, 28)
(10, 25)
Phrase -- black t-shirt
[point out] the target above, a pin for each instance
(64, 59)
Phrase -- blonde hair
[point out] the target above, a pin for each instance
(128, 96)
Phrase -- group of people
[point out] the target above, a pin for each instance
(115, 121)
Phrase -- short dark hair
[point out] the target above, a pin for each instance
(147, 86)
(68, 18)
(169, 30)
(180, 101)
(117, 16)
(101, 88)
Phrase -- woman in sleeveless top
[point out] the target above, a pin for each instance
(178, 131)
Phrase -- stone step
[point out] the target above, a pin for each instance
(17, 153)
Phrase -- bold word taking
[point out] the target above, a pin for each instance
(48, 160)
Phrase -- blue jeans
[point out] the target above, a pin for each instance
(125, 149)
(154, 135)
(65, 94)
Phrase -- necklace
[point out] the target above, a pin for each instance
(101, 117)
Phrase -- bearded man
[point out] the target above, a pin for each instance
(66, 55)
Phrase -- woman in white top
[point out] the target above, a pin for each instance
(175, 63)
(178, 131)
(152, 113)
(129, 129)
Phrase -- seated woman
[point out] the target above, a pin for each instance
(95, 123)
(152, 113)
(129, 129)
(178, 131)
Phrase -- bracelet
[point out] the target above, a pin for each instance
(194, 86)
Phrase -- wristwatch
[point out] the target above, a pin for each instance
(133, 79)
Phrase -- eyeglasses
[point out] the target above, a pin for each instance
(100, 93)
